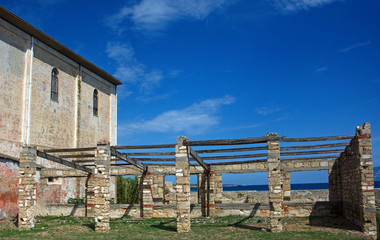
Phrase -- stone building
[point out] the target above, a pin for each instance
(50, 97)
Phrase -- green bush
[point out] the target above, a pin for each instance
(127, 190)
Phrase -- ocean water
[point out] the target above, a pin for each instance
(299, 186)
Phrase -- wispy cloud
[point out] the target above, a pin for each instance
(297, 5)
(321, 69)
(157, 14)
(352, 47)
(130, 70)
(195, 119)
(264, 111)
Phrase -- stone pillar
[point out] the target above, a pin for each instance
(158, 188)
(182, 168)
(211, 194)
(274, 182)
(202, 189)
(146, 201)
(364, 155)
(286, 185)
(98, 188)
(27, 190)
(218, 188)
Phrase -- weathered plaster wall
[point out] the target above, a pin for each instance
(13, 48)
(9, 171)
(67, 123)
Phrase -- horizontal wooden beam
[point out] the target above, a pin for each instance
(311, 139)
(311, 152)
(310, 158)
(151, 154)
(69, 149)
(239, 162)
(154, 159)
(127, 159)
(146, 146)
(77, 156)
(235, 156)
(199, 160)
(232, 141)
(63, 162)
(292, 148)
(231, 150)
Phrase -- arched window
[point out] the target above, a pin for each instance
(54, 85)
(95, 103)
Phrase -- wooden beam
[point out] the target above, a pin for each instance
(154, 159)
(145, 146)
(311, 152)
(152, 154)
(239, 162)
(127, 159)
(199, 160)
(63, 162)
(70, 149)
(311, 158)
(235, 156)
(231, 150)
(311, 139)
(291, 148)
(232, 141)
(77, 156)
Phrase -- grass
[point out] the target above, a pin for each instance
(231, 227)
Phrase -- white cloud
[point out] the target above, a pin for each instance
(296, 5)
(131, 71)
(352, 47)
(157, 14)
(321, 69)
(195, 119)
(267, 110)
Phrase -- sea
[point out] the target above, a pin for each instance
(296, 186)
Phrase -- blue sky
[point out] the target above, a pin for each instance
(211, 69)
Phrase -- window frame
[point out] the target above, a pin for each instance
(95, 103)
(54, 81)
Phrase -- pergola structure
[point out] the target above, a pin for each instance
(349, 163)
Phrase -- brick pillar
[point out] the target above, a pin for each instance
(202, 192)
(146, 201)
(274, 182)
(211, 194)
(286, 185)
(98, 188)
(218, 188)
(27, 190)
(364, 155)
(182, 168)
(158, 188)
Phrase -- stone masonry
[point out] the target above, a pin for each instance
(354, 182)
(98, 186)
(146, 201)
(286, 185)
(182, 186)
(274, 182)
(211, 194)
(27, 201)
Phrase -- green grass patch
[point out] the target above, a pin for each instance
(231, 227)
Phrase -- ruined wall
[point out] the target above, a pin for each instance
(353, 184)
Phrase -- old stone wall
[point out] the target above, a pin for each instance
(353, 183)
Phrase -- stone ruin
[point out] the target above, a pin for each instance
(351, 182)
